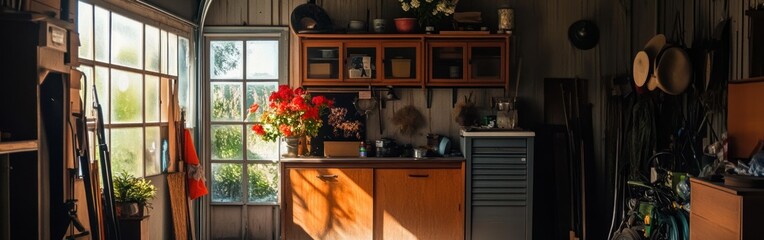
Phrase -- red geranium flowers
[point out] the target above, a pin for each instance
(290, 112)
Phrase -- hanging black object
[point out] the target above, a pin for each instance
(310, 18)
(111, 226)
(584, 34)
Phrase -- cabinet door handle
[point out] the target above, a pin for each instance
(327, 176)
(419, 175)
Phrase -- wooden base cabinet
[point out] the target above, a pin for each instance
(724, 212)
(419, 204)
(329, 203)
(373, 198)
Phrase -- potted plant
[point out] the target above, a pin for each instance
(291, 114)
(429, 13)
(132, 195)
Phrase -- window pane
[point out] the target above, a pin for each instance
(183, 76)
(172, 52)
(258, 92)
(262, 59)
(126, 97)
(263, 182)
(226, 182)
(152, 49)
(152, 98)
(226, 60)
(164, 94)
(127, 150)
(101, 34)
(227, 142)
(226, 102)
(102, 88)
(163, 50)
(85, 29)
(257, 149)
(153, 151)
(88, 72)
(126, 44)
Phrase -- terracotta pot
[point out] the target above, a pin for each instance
(405, 25)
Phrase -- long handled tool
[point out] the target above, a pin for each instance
(110, 212)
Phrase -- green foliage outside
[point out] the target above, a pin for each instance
(226, 102)
(227, 183)
(263, 184)
(226, 142)
(226, 56)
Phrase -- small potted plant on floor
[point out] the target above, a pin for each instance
(132, 195)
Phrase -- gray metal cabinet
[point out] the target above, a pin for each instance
(499, 185)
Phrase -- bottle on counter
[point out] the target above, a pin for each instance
(362, 150)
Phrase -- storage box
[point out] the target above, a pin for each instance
(319, 70)
(341, 148)
(401, 68)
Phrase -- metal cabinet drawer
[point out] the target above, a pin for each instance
(499, 142)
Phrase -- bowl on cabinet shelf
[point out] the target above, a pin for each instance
(405, 25)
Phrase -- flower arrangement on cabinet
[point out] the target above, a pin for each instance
(290, 113)
(429, 12)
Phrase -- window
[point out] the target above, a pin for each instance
(241, 72)
(134, 67)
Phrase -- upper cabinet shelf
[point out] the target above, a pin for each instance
(413, 60)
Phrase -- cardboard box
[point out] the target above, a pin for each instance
(319, 70)
(401, 68)
(341, 148)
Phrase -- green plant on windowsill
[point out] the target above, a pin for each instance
(132, 195)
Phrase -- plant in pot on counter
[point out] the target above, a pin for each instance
(292, 114)
(132, 195)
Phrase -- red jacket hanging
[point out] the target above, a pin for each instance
(196, 187)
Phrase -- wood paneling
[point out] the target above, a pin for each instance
(226, 222)
(329, 203)
(438, 213)
(259, 224)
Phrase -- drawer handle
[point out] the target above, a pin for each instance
(327, 176)
(522, 159)
(419, 175)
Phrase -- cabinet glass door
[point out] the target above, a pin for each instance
(486, 61)
(322, 62)
(401, 62)
(361, 63)
(447, 62)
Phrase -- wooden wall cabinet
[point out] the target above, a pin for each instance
(413, 60)
(373, 200)
(473, 63)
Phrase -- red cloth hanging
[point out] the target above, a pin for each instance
(196, 186)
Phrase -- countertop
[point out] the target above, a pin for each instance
(497, 133)
(372, 160)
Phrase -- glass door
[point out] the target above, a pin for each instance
(361, 59)
(402, 61)
(447, 62)
(486, 62)
(321, 62)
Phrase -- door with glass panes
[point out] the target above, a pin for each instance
(244, 171)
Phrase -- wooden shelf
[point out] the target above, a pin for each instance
(18, 146)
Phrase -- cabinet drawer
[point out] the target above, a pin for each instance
(722, 208)
(702, 229)
(499, 142)
(503, 160)
(499, 184)
(498, 171)
(499, 197)
(500, 151)
(500, 223)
